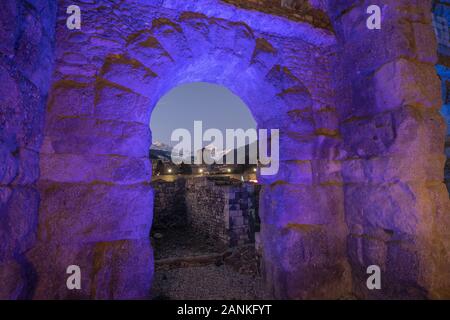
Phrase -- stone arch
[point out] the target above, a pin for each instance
(96, 200)
(371, 146)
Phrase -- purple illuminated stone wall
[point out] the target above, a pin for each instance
(361, 142)
(95, 172)
(26, 60)
(388, 97)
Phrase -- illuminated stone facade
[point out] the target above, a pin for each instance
(361, 141)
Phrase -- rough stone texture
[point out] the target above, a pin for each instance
(441, 15)
(223, 210)
(355, 109)
(169, 210)
(26, 61)
(106, 83)
(395, 202)
(297, 10)
(120, 269)
(301, 227)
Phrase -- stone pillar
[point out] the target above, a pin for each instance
(95, 174)
(97, 202)
(26, 62)
(303, 228)
(396, 206)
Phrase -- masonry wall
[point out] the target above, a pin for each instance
(362, 140)
(94, 159)
(220, 209)
(388, 97)
(205, 204)
(169, 204)
(243, 213)
(27, 36)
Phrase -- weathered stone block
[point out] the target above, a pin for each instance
(71, 98)
(327, 172)
(305, 262)
(12, 282)
(95, 168)
(402, 131)
(264, 56)
(18, 220)
(28, 167)
(90, 136)
(109, 270)
(404, 82)
(130, 74)
(293, 172)
(94, 212)
(303, 205)
(394, 168)
(171, 37)
(426, 43)
(113, 103)
(396, 207)
(145, 48)
(8, 165)
(398, 17)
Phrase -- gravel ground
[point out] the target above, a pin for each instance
(183, 243)
(234, 276)
(207, 283)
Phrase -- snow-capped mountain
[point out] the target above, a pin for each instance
(215, 152)
(162, 151)
(157, 145)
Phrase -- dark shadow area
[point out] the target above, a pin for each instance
(204, 235)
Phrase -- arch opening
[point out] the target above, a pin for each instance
(361, 141)
(206, 225)
(109, 137)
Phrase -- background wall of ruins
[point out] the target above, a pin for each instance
(169, 204)
(224, 211)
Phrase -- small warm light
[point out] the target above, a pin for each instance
(201, 170)
(254, 181)
(170, 170)
(229, 170)
(254, 169)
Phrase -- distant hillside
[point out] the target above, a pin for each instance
(160, 151)
(244, 151)
(163, 152)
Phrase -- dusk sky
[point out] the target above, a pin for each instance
(215, 105)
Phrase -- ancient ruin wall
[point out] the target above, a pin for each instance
(108, 77)
(243, 214)
(169, 209)
(222, 210)
(27, 38)
(205, 204)
(360, 178)
(388, 97)
(217, 208)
